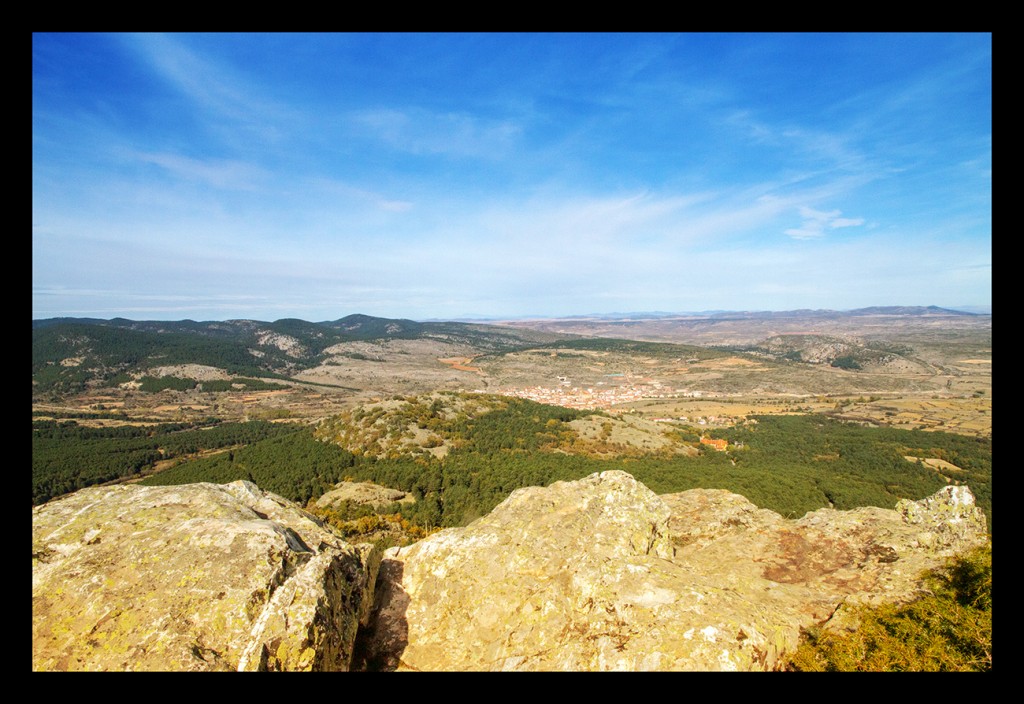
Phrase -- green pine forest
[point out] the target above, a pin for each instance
(67, 456)
(791, 464)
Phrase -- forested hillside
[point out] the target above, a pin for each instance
(790, 464)
(70, 353)
(66, 356)
(67, 456)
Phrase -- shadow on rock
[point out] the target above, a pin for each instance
(380, 644)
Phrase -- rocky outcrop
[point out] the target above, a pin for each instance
(602, 574)
(596, 574)
(194, 577)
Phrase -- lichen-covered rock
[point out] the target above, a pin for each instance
(948, 521)
(601, 574)
(518, 588)
(193, 577)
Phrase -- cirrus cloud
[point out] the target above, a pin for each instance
(816, 222)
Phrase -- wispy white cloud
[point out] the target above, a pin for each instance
(816, 221)
(197, 77)
(846, 222)
(226, 97)
(220, 173)
(752, 128)
(395, 206)
(425, 132)
(833, 148)
(809, 148)
(348, 191)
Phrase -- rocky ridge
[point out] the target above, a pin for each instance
(602, 574)
(595, 574)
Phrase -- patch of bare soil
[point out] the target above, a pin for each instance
(461, 364)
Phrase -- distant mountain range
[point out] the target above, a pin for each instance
(752, 315)
(874, 310)
(70, 353)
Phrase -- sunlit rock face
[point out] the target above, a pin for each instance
(602, 574)
(595, 574)
(193, 577)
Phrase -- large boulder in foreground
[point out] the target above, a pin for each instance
(602, 574)
(193, 577)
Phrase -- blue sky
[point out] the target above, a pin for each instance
(454, 175)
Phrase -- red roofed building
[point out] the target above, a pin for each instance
(717, 444)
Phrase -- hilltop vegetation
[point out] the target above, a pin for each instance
(790, 464)
(946, 630)
(68, 354)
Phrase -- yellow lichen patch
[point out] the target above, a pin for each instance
(305, 659)
(189, 580)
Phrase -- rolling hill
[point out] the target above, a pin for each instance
(70, 353)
